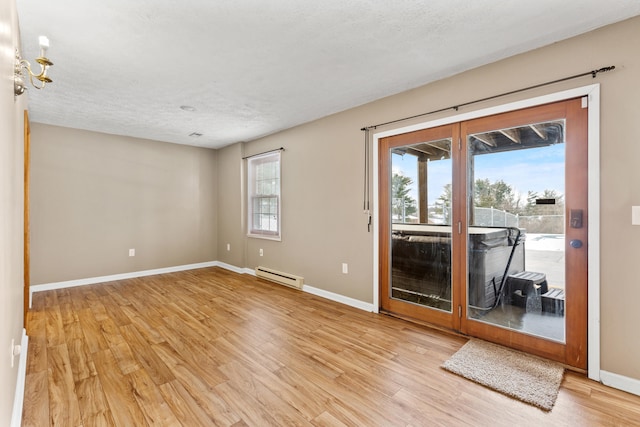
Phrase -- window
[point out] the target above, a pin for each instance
(264, 196)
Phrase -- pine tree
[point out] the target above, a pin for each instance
(403, 205)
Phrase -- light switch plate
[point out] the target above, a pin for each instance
(635, 215)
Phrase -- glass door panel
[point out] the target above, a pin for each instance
(420, 180)
(516, 228)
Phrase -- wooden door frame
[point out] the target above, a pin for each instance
(27, 231)
(592, 93)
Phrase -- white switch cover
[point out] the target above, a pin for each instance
(261, 252)
(228, 246)
(132, 252)
(635, 215)
(345, 268)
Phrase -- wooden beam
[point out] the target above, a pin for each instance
(541, 132)
(423, 193)
(512, 134)
(486, 139)
(419, 153)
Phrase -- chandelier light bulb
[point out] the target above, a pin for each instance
(43, 41)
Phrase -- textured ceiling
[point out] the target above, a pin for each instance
(253, 67)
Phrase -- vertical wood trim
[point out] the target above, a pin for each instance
(423, 192)
(27, 232)
(576, 197)
(384, 223)
(460, 210)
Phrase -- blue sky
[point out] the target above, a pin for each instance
(535, 169)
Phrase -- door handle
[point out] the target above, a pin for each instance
(577, 244)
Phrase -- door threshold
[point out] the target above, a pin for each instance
(423, 323)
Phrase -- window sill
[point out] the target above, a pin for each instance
(265, 237)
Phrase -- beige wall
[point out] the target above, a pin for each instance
(232, 229)
(94, 196)
(323, 223)
(11, 209)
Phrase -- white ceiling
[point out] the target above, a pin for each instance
(253, 67)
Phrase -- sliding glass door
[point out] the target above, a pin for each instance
(485, 225)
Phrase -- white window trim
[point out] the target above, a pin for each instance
(593, 94)
(251, 195)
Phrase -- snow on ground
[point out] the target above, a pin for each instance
(544, 253)
(544, 242)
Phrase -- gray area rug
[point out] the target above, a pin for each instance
(528, 378)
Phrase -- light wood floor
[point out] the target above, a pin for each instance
(210, 347)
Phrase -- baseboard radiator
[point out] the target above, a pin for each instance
(286, 279)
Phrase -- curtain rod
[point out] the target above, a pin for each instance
(592, 73)
(264, 152)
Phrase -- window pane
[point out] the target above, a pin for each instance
(421, 251)
(264, 195)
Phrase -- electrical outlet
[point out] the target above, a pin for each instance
(132, 252)
(261, 252)
(228, 246)
(16, 349)
(635, 215)
(345, 268)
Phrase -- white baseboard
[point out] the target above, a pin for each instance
(235, 269)
(18, 399)
(339, 298)
(122, 276)
(630, 385)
